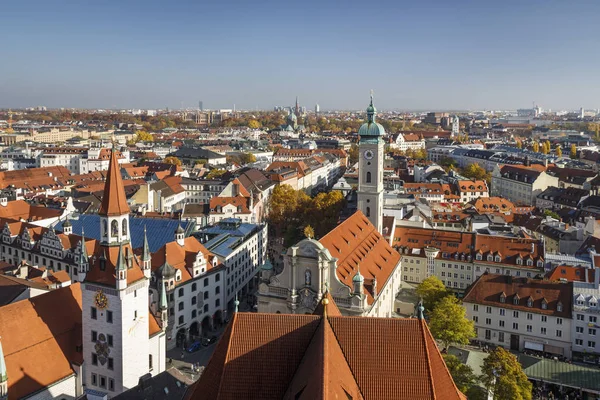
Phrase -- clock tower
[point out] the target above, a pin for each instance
(370, 168)
(115, 301)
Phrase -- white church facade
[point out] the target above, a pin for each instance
(353, 262)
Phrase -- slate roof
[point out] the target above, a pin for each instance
(160, 230)
(281, 356)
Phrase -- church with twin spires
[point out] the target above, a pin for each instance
(353, 262)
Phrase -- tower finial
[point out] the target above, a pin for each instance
(420, 310)
(371, 96)
(325, 301)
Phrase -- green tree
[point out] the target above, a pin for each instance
(449, 324)
(448, 163)
(172, 160)
(431, 290)
(558, 151)
(504, 376)
(548, 213)
(573, 152)
(462, 375)
(215, 173)
(247, 158)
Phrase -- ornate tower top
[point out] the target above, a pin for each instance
(146, 249)
(371, 128)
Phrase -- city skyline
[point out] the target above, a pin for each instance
(416, 56)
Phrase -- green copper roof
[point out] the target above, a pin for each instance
(121, 259)
(358, 277)
(371, 128)
(3, 375)
(146, 248)
(163, 297)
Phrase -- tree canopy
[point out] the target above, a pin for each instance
(449, 324)
(503, 374)
(463, 376)
(476, 171)
(431, 290)
(573, 152)
(172, 160)
(215, 173)
(143, 136)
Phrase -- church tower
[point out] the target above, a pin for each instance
(370, 168)
(115, 300)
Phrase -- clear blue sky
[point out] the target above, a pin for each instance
(415, 54)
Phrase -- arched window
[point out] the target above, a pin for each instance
(368, 211)
(369, 177)
(105, 227)
(114, 228)
(124, 227)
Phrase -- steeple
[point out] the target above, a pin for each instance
(163, 307)
(84, 260)
(371, 110)
(180, 235)
(114, 201)
(121, 269)
(3, 375)
(146, 256)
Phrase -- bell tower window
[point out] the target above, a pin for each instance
(368, 177)
(114, 228)
(124, 227)
(368, 212)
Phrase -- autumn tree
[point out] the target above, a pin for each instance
(172, 160)
(519, 144)
(448, 322)
(253, 124)
(324, 211)
(545, 148)
(353, 154)
(448, 163)
(143, 136)
(431, 290)
(504, 376)
(558, 151)
(573, 152)
(475, 171)
(215, 173)
(535, 147)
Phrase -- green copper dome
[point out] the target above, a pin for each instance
(371, 128)
(358, 277)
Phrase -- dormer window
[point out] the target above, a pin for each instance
(502, 298)
(498, 259)
(559, 307)
(540, 264)
(490, 257)
(478, 257)
(516, 300)
(530, 263)
(544, 304)
(593, 302)
(530, 302)
(519, 261)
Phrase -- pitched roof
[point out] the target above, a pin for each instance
(356, 241)
(40, 339)
(242, 202)
(114, 201)
(20, 209)
(103, 265)
(488, 290)
(571, 274)
(279, 356)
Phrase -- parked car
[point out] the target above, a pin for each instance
(194, 347)
(209, 340)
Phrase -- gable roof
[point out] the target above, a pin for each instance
(40, 340)
(356, 241)
(275, 356)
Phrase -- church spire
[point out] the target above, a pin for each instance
(114, 201)
(146, 250)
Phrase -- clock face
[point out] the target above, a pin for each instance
(368, 154)
(101, 300)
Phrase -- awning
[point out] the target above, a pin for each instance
(554, 350)
(534, 346)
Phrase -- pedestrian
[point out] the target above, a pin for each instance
(182, 355)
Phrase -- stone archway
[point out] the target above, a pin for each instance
(194, 331)
(206, 325)
(181, 338)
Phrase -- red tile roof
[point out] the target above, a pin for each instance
(571, 274)
(114, 201)
(489, 289)
(278, 356)
(39, 339)
(356, 241)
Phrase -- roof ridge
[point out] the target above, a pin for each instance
(225, 362)
(344, 354)
(428, 359)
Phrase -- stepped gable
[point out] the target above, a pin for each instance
(356, 242)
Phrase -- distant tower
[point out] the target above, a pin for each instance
(455, 126)
(581, 113)
(370, 168)
(317, 109)
(201, 105)
(297, 108)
